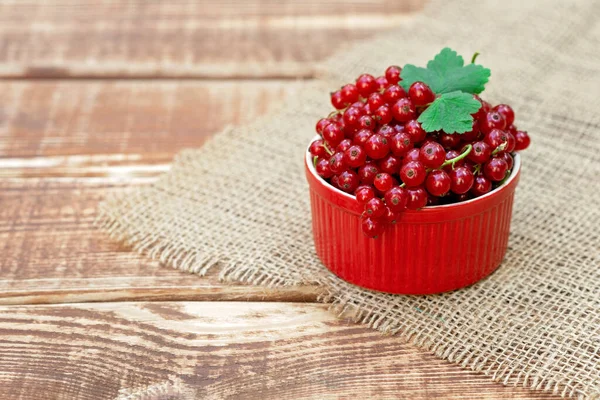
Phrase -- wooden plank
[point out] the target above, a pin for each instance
(50, 252)
(119, 122)
(185, 38)
(223, 351)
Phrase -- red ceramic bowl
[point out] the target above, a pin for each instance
(433, 250)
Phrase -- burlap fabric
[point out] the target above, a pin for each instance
(240, 203)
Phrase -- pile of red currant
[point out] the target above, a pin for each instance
(373, 146)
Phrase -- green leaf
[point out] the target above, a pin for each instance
(447, 73)
(451, 113)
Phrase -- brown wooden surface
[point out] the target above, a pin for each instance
(75, 126)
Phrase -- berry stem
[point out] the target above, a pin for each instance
(315, 158)
(498, 149)
(474, 57)
(327, 149)
(458, 158)
(402, 185)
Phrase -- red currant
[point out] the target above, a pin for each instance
(471, 135)
(432, 155)
(337, 163)
(363, 194)
(375, 208)
(480, 114)
(337, 100)
(461, 180)
(495, 169)
(492, 120)
(386, 131)
(480, 153)
(481, 186)
(438, 183)
(512, 129)
(323, 169)
(404, 110)
(361, 137)
(507, 112)
(417, 198)
(366, 85)
(367, 173)
(396, 199)
(522, 140)
(414, 131)
(392, 74)
(382, 83)
(333, 134)
(377, 147)
(383, 182)
(343, 146)
(449, 141)
(351, 116)
(316, 149)
(349, 93)
(458, 198)
(412, 155)
(383, 114)
(321, 124)
(420, 94)
(451, 155)
(508, 158)
(511, 142)
(348, 181)
(375, 100)
(394, 93)
(413, 173)
(495, 138)
(400, 144)
(366, 122)
(372, 227)
(389, 164)
(391, 217)
(334, 182)
(367, 109)
(355, 156)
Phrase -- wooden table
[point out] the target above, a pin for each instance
(96, 97)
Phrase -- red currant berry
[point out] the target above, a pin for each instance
(507, 112)
(420, 94)
(323, 169)
(361, 137)
(367, 173)
(495, 138)
(382, 83)
(461, 180)
(383, 182)
(432, 155)
(377, 147)
(394, 93)
(392, 74)
(433, 200)
(459, 198)
(316, 149)
(337, 163)
(386, 131)
(333, 134)
(449, 141)
(334, 182)
(480, 153)
(400, 144)
(480, 114)
(396, 199)
(367, 109)
(495, 169)
(372, 227)
(375, 101)
(391, 217)
(351, 116)
(413, 173)
(343, 146)
(348, 181)
(404, 110)
(512, 130)
(511, 142)
(355, 156)
(472, 135)
(363, 194)
(417, 198)
(492, 120)
(366, 122)
(438, 183)
(389, 164)
(383, 114)
(321, 124)
(337, 100)
(451, 155)
(508, 158)
(412, 155)
(414, 131)
(366, 85)
(375, 208)
(481, 186)
(399, 128)
(359, 105)
(349, 93)
(522, 140)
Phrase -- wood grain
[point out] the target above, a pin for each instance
(51, 252)
(222, 350)
(185, 38)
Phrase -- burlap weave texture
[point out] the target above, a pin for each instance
(240, 203)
